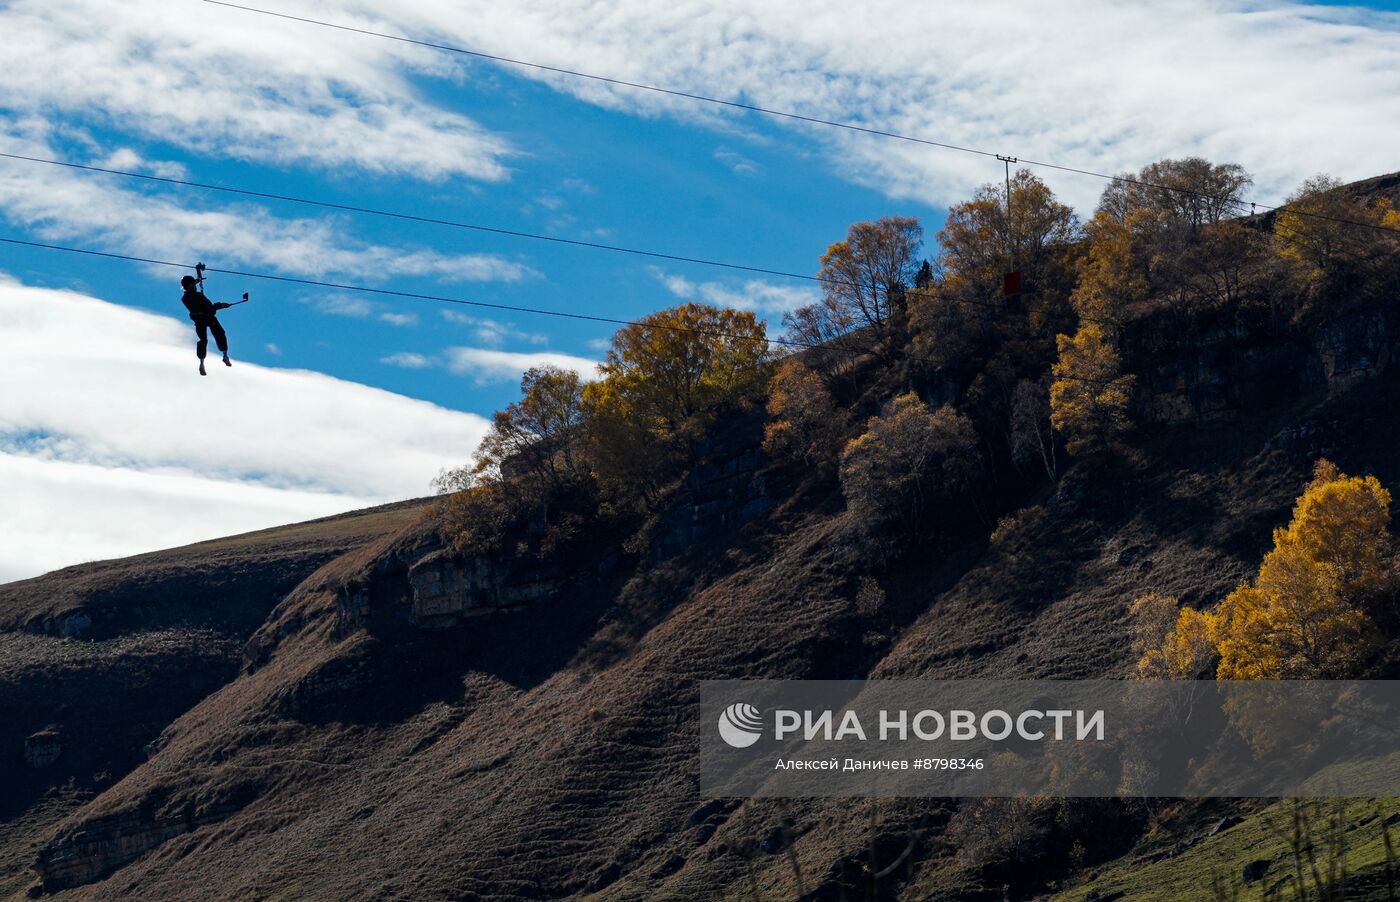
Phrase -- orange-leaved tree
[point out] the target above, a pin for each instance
(664, 380)
(1171, 643)
(1305, 615)
(805, 423)
(1089, 395)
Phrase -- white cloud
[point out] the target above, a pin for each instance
(494, 333)
(125, 158)
(61, 204)
(1284, 89)
(341, 305)
(753, 294)
(215, 80)
(407, 360)
(59, 513)
(273, 349)
(737, 162)
(110, 443)
(1100, 84)
(357, 307)
(489, 365)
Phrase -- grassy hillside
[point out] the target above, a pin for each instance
(544, 753)
(147, 637)
(232, 581)
(496, 702)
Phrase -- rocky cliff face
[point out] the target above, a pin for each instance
(1223, 371)
(424, 584)
(429, 587)
(720, 496)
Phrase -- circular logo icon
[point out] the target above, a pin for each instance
(740, 725)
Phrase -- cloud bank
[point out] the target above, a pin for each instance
(111, 445)
(753, 294)
(487, 366)
(65, 205)
(1285, 89)
(211, 79)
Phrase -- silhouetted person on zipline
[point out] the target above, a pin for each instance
(204, 313)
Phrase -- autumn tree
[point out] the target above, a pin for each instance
(1112, 275)
(864, 280)
(672, 370)
(1228, 265)
(532, 453)
(909, 458)
(805, 423)
(1089, 395)
(1316, 232)
(1171, 643)
(980, 241)
(1305, 615)
(1190, 192)
(539, 437)
(664, 380)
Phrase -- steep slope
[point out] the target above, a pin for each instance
(370, 714)
(228, 583)
(546, 753)
(96, 660)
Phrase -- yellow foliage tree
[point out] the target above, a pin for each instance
(1390, 216)
(1171, 643)
(680, 365)
(908, 458)
(805, 423)
(1304, 615)
(1089, 395)
(1316, 227)
(980, 241)
(1110, 276)
(665, 377)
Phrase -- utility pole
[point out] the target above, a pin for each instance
(1008, 161)
(1011, 282)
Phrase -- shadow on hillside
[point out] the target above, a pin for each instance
(403, 669)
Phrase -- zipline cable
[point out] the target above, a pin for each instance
(752, 108)
(833, 346)
(825, 280)
(411, 295)
(411, 217)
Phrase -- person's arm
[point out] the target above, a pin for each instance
(207, 306)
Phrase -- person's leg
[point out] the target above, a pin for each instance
(201, 344)
(221, 340)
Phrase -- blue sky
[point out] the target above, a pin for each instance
(231, 98)
(756, 195)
